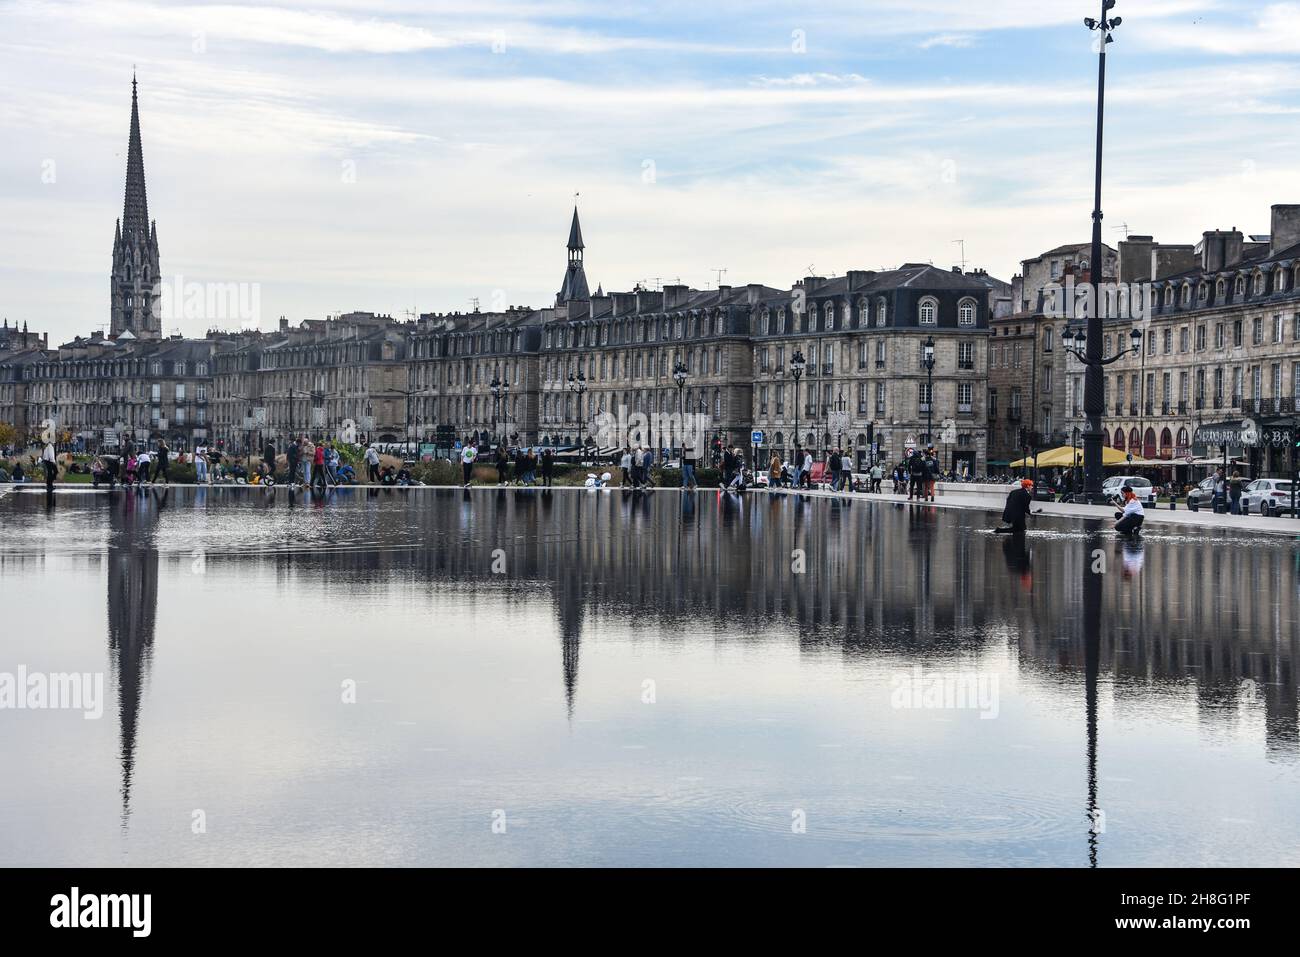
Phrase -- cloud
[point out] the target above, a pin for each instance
(948, 40)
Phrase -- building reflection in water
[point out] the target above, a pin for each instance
(1081, 612)
(132, 559)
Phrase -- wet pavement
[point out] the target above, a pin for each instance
(522, 677)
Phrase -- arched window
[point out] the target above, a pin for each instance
(882, 311)
(1187, 294)
(1183, 441)
(1239, 287)
(864, 314)
(1220, 289)
(1279, 279)
(1259, 283)
(1119, 439)
(829, 315)
(1149, 444)
(966, 312)
(929, 311)
(1166, 444)
(1169, 295)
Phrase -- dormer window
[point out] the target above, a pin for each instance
(929, 311)
(1220, 290)
(1239, 287)
(1259, 284)
(882, 312)
(966, 312)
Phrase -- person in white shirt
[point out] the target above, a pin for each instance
(372, 465)
(201, 464)
(50, 462)
(1132, 516)
(467, 457)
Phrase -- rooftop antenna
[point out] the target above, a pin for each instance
(1123, 226)
(962, 244)
(721, 271)
(812, 270)
(474, 302)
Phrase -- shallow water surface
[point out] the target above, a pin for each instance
(573, 677)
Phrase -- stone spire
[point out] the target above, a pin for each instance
(133, 303)
(575, 278)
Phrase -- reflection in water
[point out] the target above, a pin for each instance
(132, 561)
(1101, 629)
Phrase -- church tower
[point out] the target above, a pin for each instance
(574, 288)
(134, 299)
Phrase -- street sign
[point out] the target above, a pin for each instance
(756, 437)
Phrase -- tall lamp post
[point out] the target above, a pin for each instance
(578, 386)
(1091, 355)
(679, 376)
(495, 386)
(797, 365)
(927, 360)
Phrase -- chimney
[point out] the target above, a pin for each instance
(1135, 259)
(1286, 228)
(858, 277)
(754, 292)
(723, 290)
(284, 324)
(810, 283)
(675, 296)
(1167, 261)
(1220, 249)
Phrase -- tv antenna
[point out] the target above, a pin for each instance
(474, 302)
(1123, 226)
(721, 271)
(962, 244)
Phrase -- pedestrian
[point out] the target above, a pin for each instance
(797, 471)
(201, 464)
(625, 468)
(467, 456)
(161, 463)
(268, 458)
(833, 465)
(846, 469)
(503, 466)
(332, 463)
(1234, 493)
(214, 465)
(806, 469)
(932, 471)
(49, 462)
(291, 455)
(318, 468)
(1019, 503)
(774, 472)
(877, 476)
(688, 469)
(917, 473)
(372, 465)
(548, 466)
(143, 467)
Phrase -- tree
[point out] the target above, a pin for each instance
(8, 433)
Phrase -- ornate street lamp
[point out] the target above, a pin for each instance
(927, 360)
(797, 364)
(679, 376)
(578, 386)
(495, 387)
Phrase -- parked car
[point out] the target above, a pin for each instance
(1141, 487)
(1267, 497)
(1202, 496)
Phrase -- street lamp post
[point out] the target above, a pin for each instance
(495, 387)
(679, 376)
(927, 360)
(1091, 356)
(797, 365)
(578, 386)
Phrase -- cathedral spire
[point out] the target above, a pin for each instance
(135, 210)
(134, 300)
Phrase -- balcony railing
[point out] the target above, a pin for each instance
(1133, 409)
(993, 412)
(965, 363)
(1218, 402)
(1119, 408)
(1013, 415)
(1182, 408)
(964, 408)
(1151, 408)
(880, 363)
(1236, 402)
(1165, 407)
(924, 406)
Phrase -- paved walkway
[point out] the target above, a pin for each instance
(947, 498)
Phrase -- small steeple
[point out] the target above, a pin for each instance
(575, 279)
(575, 232)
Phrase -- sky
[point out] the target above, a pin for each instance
(405, 157)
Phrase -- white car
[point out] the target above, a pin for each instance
(1141, 487)
(1267, 497)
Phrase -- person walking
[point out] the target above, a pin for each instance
(917, 472)
(647, 468)
(774, 472)
(625, 468)
(268, 460)
(291, 455)
(214, 465)
(201, 464)
(503, 466)
(467, 456)
(688, 470)
(548, 466)
(318, 469)
(932, 471)
(331, 463)
(833, 466)
(846, 470)
(877, 476)
(161, 461)
(797, 469)
(372, 465)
